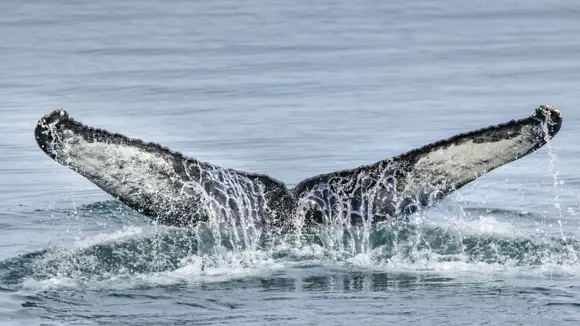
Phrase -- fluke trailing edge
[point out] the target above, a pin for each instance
(178, 190)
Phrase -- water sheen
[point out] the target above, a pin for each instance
(291, 90)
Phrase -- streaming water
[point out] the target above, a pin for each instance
(291, 90)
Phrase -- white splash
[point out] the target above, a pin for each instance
(483, 225)
(128, 232)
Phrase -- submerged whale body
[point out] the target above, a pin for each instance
(174, 189)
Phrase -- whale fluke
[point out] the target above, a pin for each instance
(174, 189)
(165, 185)
(401, 185)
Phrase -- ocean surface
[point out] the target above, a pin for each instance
(291, 89)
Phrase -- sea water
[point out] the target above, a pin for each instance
(290, 89)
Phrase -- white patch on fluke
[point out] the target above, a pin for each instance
(121, 169)
(462, 162)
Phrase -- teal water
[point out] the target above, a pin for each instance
(292, 90)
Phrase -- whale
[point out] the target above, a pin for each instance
(178, 190)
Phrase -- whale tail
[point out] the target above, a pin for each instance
(177, 190)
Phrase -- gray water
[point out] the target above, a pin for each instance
(291, 89)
